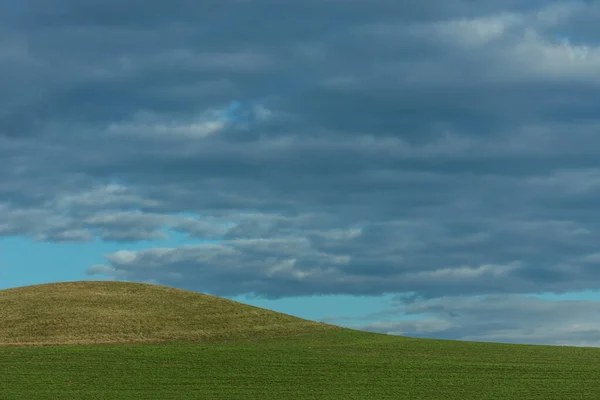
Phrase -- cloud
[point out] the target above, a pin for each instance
(507, 319)
(432, 150)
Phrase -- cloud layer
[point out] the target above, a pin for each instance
(443, 149)
(505, 319)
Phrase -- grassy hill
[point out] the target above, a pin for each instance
(94, 312)
(165, 343)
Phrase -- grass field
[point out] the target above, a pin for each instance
(266, 356)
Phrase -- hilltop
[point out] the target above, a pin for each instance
(98, 312)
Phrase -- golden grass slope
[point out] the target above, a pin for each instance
(95, 312)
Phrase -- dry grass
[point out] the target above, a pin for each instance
(98, 312)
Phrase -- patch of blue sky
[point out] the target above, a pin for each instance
(237, 112)
(24, 261)
(344, 310)
(321, 307)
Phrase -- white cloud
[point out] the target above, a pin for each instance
(541, 56)
(480, 31)
(512, 319)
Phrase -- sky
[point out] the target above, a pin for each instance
(427, 169)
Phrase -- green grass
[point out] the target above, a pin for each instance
(293, 359)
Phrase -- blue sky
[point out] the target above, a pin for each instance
(428, 170)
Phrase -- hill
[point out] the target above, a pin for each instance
(216, 348)
(97, 312)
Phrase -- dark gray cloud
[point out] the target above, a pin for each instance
(431, 149)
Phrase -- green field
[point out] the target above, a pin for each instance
(235, 351)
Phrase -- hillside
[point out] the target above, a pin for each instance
(215, 348)
(95, 312)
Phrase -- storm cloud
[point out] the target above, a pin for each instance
(434, 150)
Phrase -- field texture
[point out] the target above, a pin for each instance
(128, 341)
(329, 365)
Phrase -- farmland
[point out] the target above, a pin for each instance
(116, 340)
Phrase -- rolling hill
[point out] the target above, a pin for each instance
(120, 340)
(95, 312)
